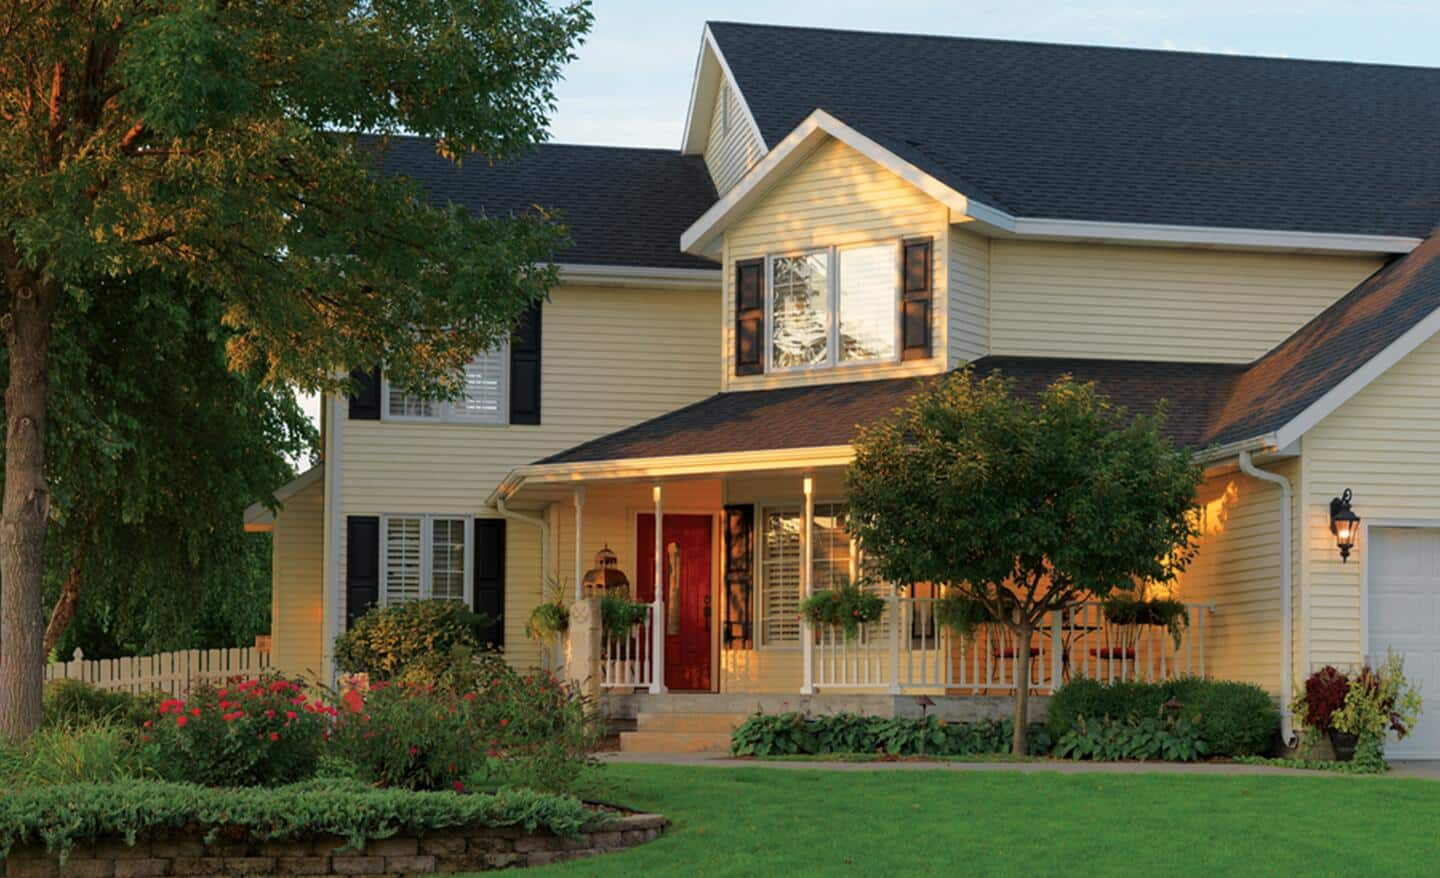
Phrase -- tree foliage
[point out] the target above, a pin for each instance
(1023, 506)
(201, 144)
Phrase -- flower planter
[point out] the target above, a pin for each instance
(1343, 744)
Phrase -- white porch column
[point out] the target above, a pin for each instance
(579, 542)
(807, 636)
(657, 615)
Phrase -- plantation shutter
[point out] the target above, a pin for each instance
(490, 577)
(482, 398)
(750, 317)
(525, 369)
(916, 280)
(365, 401)
(739, 576)
(362, 565)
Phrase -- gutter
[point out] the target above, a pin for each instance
(1287, 636)
(533, 521)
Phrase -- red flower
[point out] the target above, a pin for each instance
(414, 751)
(290, 714)
(270, 714)
(469, 696)
(194, 711)
(274, 736)
(459, 787)
(352, 701)
(233, 715)
(504, 722)
(181, 720)
(147, 724)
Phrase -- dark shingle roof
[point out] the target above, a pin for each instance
(624, 206)
(1207, 403)
(1123, 135)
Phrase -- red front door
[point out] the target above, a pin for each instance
(686, 578)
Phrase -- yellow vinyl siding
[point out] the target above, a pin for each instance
(969, 310)
(297, 583)
(836, 197)
(1237, 567)
(729, 153)
(1383, 444)
(611, 357)
(1154, 303)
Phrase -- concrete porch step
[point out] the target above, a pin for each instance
(689, 722)
(675, 742)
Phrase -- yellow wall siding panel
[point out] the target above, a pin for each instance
(1237, 567)
(837, 197)
(612, 357)
(1121, 302)
(1383, 444)
(969, 312)
(730, 151)
(297, 585)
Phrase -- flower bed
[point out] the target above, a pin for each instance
(318, 828)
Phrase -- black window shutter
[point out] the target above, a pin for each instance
(362, 565)
(489, 577)
(525, 369)
(916, 281)
(739, 576)
(365, 402)
(750, 317)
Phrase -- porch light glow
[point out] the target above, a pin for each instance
(1344, 524)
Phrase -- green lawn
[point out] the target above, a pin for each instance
(790, 822)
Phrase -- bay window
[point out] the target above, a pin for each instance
(834, 306)
(424, 557)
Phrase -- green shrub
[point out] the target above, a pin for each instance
(257, 733)
(458, 671)
(95, 752)
(790, 734)
(386, 640)
(71, 702)
(1234, 719)
(618, 613)
(64, 816)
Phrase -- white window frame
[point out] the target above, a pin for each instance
(448, 412)
(832, 298)
(427, 553)
(762, 509)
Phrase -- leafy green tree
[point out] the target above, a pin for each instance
(150, 467)
(1024, 507)
(199, 140)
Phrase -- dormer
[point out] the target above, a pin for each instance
(719, 125)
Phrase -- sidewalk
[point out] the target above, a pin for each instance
(1413, 769)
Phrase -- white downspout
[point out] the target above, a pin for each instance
(1247, 466)
(540, 522)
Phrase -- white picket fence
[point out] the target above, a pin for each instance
(172, 672)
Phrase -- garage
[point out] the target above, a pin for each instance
(1403, 582)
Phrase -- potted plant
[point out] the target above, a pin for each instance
(1378, 700)
(846, 606)
(550, 618)
(963, 615)
(1138, 608)
(618, 614)
(1323, 695)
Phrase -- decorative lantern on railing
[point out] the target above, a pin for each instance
(1344, 524)
(606, 576)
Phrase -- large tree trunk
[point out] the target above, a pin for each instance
(23, 513)
(1023, 632)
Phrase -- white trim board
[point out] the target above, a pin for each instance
(580, 274)
(702, 237)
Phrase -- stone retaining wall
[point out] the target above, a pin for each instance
(439, 852)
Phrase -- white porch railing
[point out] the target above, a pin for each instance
(627, 661)
(1077, 642)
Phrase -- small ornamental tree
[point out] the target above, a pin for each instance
(1025, 507)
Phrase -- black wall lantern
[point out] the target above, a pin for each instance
(1344, 524)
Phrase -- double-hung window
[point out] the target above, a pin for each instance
(781, 556)
(482, 400)
(833, 306)
(425, 557)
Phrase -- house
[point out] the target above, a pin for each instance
(850, 215)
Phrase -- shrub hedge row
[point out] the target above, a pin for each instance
(64, 816)
(1233, 719)
(791, 734)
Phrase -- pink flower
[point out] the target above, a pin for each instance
(269, 714)
(414, 751)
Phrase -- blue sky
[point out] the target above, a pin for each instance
(632, 80)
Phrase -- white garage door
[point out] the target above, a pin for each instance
(1404, 610)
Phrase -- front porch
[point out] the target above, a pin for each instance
(737, 553)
